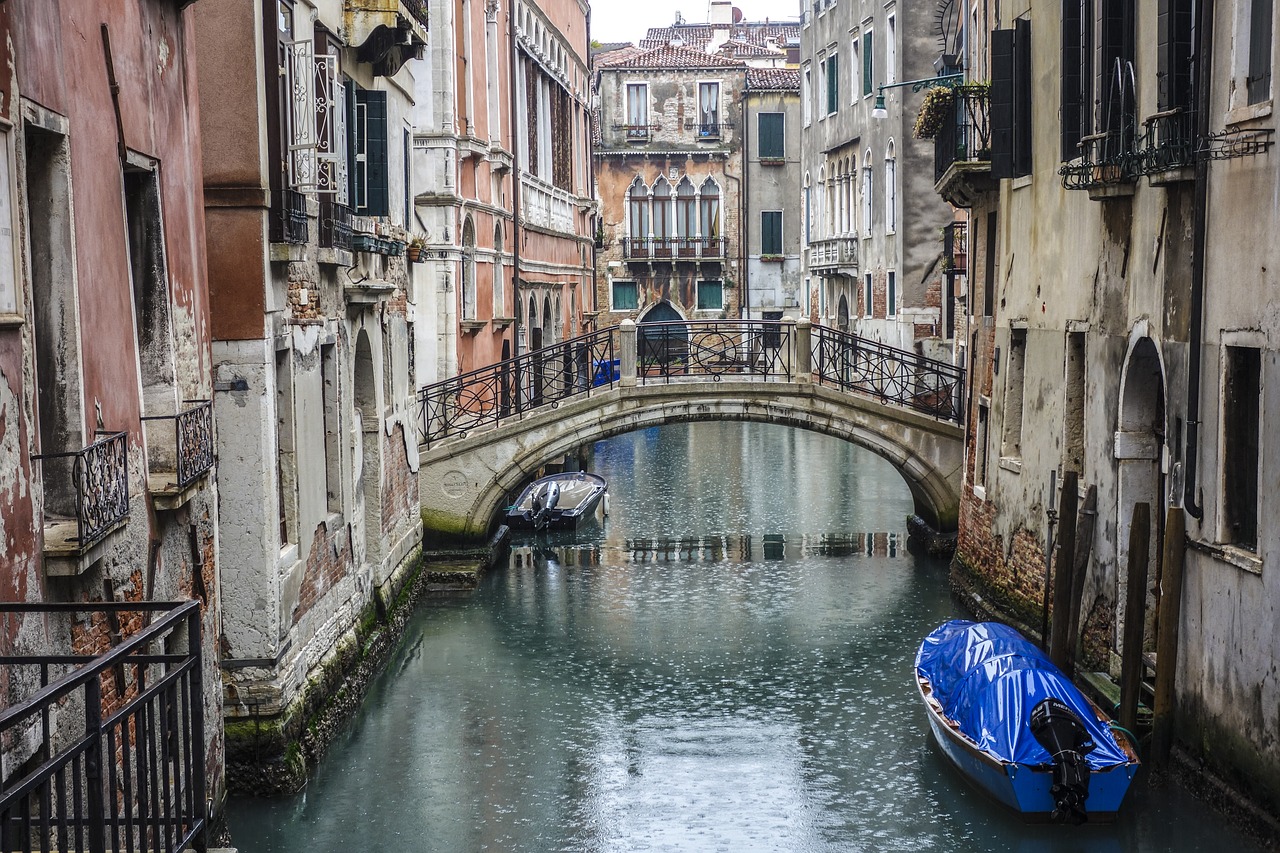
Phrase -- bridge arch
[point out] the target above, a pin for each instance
(465, 482)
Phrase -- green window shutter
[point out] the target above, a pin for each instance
(710, 295)
(625, 296)
(771, 232)
(372, 197)
(833, 83)
(771, 139)
(868, 67)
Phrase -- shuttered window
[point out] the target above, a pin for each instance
(1260, 22)
(833, 83)
(772, 142)
(868, 67)
(771, 232)
(1074, 76)
(368, 128)
(1011, 101)
(1173, 60)
(1021, 97)
(710, 295)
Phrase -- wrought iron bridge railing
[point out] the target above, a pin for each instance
(673, 248)
(965, 134)
(289, 217)
(573, 368)
(100, 481)
(192, 448)
(713, 349)
(891, 375)
(108, 749)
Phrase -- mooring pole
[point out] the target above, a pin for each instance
(1084, 547)
(1063, 564)
(1174, 552)
(1135, 604)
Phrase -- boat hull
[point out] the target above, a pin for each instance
(1023, 788)
(581, 497)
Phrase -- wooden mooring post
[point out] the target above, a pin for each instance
(1064, 564)
(1084, 547)
(1135, 605)
(1172, 554)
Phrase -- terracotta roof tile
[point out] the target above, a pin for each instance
(675, 57)
(773, 79)
(697, 35)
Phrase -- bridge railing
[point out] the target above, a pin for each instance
(892, 375)
(573, 368)
(666, 352)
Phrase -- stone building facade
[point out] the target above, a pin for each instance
(108, 492)
(1121, 327)
(873, 247)
(773, 283)
(307, 128)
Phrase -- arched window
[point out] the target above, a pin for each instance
(866, 194)
(821, 223)
(709, 215)
(850, 211)
(468, 270)
(662, 216)
(686, 214)
(808, 210)
(890, 190)
(638, 211)
(499, 273)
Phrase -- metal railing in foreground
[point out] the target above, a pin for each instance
(891, 375)
(109, 751)
(483, 397)
(714, 349)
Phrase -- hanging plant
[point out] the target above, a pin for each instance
(934, 111)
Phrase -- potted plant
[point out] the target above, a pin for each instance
(414, 248)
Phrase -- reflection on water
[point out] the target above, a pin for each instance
(713, 669)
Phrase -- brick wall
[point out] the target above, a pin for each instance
(330, 560)
(399, 486)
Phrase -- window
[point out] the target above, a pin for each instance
(709, 213)
(1077, 64)
(891, 295)
(868, 309)
(868, 67)
(369, 191)
(989, 268)
(890, 191)
(468, 270)
(661, 214)
(822, 89)
(833, 83)
(855, 69)
(150, 280)
(332, 179)
(686, 214)
(1258, 71)
(10, 303)
(499, 272)
(637, 111)
(638, 211)
(1011, 444)
(1011, 102)
(709, 110)
(808, 211)
(626, 296)
(1241, 422)
(286, 456)
(1173, 57)
(866, 195)
(771, 233)
(771, 141)
(891, 51)
(710, 295)
(806, 95)
(982, 440)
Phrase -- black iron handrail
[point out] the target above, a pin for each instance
(714, 349)
(547, 376)
(289, 217)
(100, 477)
(123, 767)
(193, 440)
(673, 248)
(418, 9)
(965, 135)
(890, 375)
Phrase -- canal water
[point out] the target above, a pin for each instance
(724, 665)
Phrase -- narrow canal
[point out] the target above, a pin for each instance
(724, 666)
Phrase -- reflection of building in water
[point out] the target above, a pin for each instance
(528, 555)
(771, 546)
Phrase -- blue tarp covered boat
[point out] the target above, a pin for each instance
(1015, 725)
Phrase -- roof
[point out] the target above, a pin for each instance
(697, 35)
(609, 47)
(773, 79)
(606, 59)
(667, 57)
(746, 48)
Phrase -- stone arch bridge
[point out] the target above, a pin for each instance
(484, 434)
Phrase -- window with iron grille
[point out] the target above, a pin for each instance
(331, 127)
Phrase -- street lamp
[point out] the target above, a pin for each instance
(878, 109)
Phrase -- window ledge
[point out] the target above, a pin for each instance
(980, 492)
(472, 326)
(1019, 183)
(288, 252)
(773, 161)
(1011, 463)
(1248, 112)
(64, 556)
(1238, 557)
(336, 257)
(11, 321)
(502, 322)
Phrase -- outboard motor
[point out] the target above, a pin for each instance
(1060, 731)
(544, 500)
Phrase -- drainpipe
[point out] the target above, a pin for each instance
(515, 178)
(746, 189)
(1203, 69)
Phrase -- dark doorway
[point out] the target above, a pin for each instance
(663, 337)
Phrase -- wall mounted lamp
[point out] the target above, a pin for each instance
(878, 109)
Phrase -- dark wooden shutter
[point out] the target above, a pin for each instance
(833, 83)
(1021, 97)
(868, 67)
(1259, 82)
(371, 146)
(1173, 54)
(1073, 77)
(771, 140)
(1002, 104)
(771, 232)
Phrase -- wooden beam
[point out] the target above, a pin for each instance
(1174, 552)
(1135, 605)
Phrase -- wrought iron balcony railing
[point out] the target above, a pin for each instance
(965, 134)
(706, 130)
(418, 9)
(955, 247)
(117, 739)
(1109, 158)
(100, 481)
(891, 375)
(636, 132)
(833, 253)
(549, 375)
(673, 248)
(289, 217)
(191, 453)
(335, 225)
(713, 349)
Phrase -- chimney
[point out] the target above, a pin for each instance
(721, 21)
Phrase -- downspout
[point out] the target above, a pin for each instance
(515, 180)
(1203, 71)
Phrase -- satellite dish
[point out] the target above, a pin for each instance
(737, 15)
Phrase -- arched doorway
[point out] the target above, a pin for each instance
(842, 314)
(663, 338)
(366, 447)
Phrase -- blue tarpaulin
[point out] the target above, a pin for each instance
(988, 678)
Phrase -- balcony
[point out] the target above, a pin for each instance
(962, 148)
(1109, 165)
(673, 249)
(107, 751)
(335, 225)
(179, 453)
(289, 218)
(547, 206)
(386, 33)
(955, 248)
(706, 130)
(834, 256)
(86, 499)
(636, 132)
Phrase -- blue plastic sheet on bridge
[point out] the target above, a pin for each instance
(988, 678)
(604, 372)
